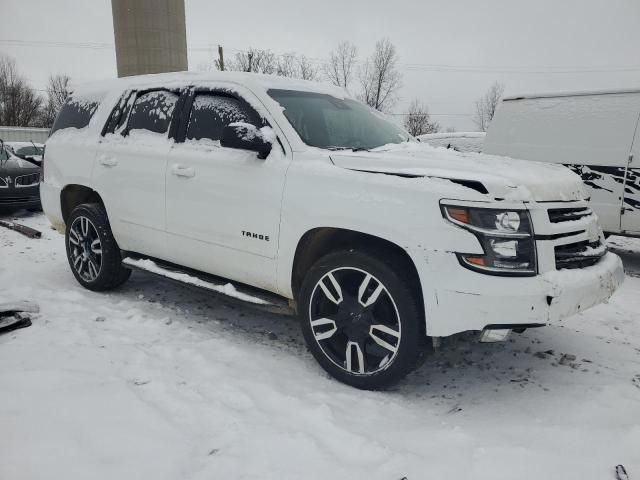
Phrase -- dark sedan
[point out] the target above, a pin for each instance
(19, 182)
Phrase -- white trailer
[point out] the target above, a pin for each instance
(593, 133)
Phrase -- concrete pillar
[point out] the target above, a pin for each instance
(150, 36)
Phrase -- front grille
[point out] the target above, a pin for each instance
(11, 200)
(580, 254)
(557, 215)
(3, 183)
(29, 180)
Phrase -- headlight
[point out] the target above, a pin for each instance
(506, 237)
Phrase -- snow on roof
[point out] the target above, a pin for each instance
(22, 144)
(261, 81)
(578, 93)
(459, 141)
(429, 136)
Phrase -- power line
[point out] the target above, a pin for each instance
(451, 68)
(437, 114)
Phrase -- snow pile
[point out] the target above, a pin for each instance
(504, 177)
(458, 141)
(155, 381)
(227, 289)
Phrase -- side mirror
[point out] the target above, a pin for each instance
(245, 136)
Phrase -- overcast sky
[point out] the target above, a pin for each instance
(450, 51)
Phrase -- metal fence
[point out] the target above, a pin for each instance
(24, 134)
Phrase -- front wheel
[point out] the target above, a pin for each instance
(93, 254)
(360, 319)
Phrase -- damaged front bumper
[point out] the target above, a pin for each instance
(466, 300)
(572, 291)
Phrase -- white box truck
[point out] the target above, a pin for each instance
(594, 133)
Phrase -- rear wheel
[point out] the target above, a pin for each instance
(93, 254)
(360, 320)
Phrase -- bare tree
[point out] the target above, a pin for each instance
(253, 60)
(341, 66)
(264, 61)
(19, 103)
(57, 94)
(486, 106)
(306, 70)
(379, 77)
(286, 65)
(418, 121)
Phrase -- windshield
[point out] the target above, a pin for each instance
(325, 121)
(28, 151)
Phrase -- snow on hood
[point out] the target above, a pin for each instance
(503, 177)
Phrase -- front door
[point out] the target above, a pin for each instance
(223, 205)
(631, 204)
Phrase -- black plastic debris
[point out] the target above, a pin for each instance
(16, 315)
(23, 229)
(621, 473)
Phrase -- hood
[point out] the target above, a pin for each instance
(16, 166)
(502, 177)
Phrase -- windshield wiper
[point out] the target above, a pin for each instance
(353, 149)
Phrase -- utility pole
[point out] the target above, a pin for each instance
(220, 58)
(250, 61)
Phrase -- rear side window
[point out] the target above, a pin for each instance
(211, 112)
(152, 111)
(75, 113)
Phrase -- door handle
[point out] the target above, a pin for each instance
(181, 171)
(107, 161)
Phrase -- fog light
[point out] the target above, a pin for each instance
(508, 221)
(489, 336)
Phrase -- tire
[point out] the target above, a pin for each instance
(92, 252)
(372, 307)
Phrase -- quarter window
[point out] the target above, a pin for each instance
(75, 113)
(152, 111)
(211, 112)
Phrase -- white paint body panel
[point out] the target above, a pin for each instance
(594, 131)
(391, 193)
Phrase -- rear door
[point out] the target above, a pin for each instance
(223, 204)
(631, 203)
(129, 172)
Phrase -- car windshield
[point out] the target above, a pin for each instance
(326, 121)
(28, 151)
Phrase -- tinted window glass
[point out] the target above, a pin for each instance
(152, 111)
(119, 113)
(75, 113)
(210, 113)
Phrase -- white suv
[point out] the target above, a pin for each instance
(292, 188)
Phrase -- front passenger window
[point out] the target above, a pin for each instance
(152, 111)
(211, 112)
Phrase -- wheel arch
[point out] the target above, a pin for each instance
(317, 242)
(73, 195)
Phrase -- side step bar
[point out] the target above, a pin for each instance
(238, 293)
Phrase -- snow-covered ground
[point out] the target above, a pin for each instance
(157, 381)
